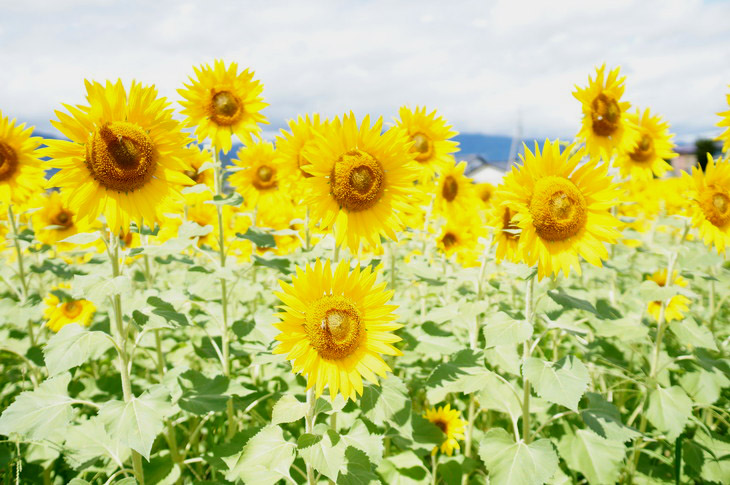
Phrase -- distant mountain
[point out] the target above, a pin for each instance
(489, 147)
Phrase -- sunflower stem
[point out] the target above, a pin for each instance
(21, 269)
(530, 288)
(122, 348)
(393, 266)
(309, 429)
(434, 469)
(307, 234)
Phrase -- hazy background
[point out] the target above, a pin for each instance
(479, 63)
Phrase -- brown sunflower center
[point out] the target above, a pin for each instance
(441, 425)
(264, 177)
(357, 181)
(558, 208)
(62, 218)
(485, 194)
(334, 327)
(644, 150)
(71, 309)
(449, 240)
(606, 114)
(8, 161)
(450, 188)
(225, 108)
(121, 156)
(715, 204)
(509, 228)
(422, 146)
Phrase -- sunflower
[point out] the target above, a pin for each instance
(54, 222)
(201, 171)
(605, 127)
(262, 177)
(449, 421)
(725, 122)
(61, 309)
(455, 192)
(710, 191)
(430, 135)
(20, 171)
(460, 236)
(678, 304)
(362, 180)
(648, 154)
(291, 148)
(125, 159)
(485, 191)
(334, 327)
(221, 102)
(505, 232)
(561, 208)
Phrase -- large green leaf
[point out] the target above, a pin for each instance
(463, 373)
(405, 468)
(517, 463)
(137, 423)
(689, 332)
(72, 346)
(202, 394)
(501, 329)
(704, 386)
(360, 438)
(562, 382)
(387, 402)
(325, 453)
(605, 419)
(570, 302)
(715, 466)
(499, 396)
(266, 458)
(598, 459)
(669, 409)
(358, 470)
(89, 441)
(288, 409)
(39, 413)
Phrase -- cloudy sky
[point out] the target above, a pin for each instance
(482, 64)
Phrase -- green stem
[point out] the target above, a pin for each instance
(393, 265)
(21, 270)
(122, 349)
(530, 288)
(434, 469)
(309, 428)
(307, 234)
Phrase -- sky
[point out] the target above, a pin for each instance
(483, 65)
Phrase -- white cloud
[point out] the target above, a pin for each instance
(478, 63)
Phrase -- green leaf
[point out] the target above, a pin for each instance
(288, 409)
(598, 459)
(570, 302)
(265, 459)
(562, 382)
(259, 238)
(167, 311)
(714, 468)
(39, 413)
(650, 291)
(201, 394)
(605, 419)
(689, 332)
(359, 471)
(137, 423)
(387, 402)
(464, 373)
(235, 199)
(72, 346)
(498, 396)
(501, 329)
(703, 386)
(360, 438)
(325, 454)
(90, 441)
(405, 468)
(669, 409)
(283, 265)
(517, 463)
(83, 238)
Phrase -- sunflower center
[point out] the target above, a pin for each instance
(509, 228)
(644, 150)
(334, 327)
(8, 161)
(71, 309)
(605, 113)
(450, 188)
(121, 156)
(422, 146)
(449, 240)
(715, 204)
(264, 177)
(63, 218)
(225, 108)
(357, 181)
(441, 425)
(485, 195)
(558, 208)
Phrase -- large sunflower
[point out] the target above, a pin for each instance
(125, 158)
(20, 171)
(710, 191)
(221, 102)
(725, 122)
(291, 149)
(605, 127)
(561, 208)
(455, 192)
(678, 304)
(362, 180)
(647, 155)
(449, 421)
(430, 135)
(334, 327)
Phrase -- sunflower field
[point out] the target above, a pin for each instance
(346, 306)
